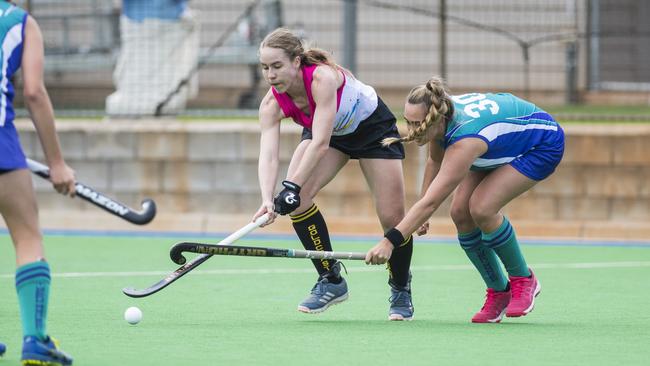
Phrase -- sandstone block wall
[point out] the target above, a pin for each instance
(199, 170)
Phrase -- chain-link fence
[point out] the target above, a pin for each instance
(554, 50)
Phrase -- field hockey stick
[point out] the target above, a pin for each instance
(98, 199)
(187, 267)
(176, 252)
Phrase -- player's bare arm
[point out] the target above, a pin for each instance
(454, 167)
(269, 161)
(40, 108)
(324, 87)
(456, 163)
(435, 154)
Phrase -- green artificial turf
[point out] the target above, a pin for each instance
(593, 308)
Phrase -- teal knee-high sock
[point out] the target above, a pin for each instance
(505, 244)
(484, 259)
(33, 287)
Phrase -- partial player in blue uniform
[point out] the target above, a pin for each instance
(22, 47)
(489, 148)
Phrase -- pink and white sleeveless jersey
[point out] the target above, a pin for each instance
(355, 101)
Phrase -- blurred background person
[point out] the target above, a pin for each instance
(160, 45)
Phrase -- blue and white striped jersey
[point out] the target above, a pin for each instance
(12, 25)
(509, 125)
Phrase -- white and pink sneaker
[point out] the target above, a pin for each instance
(524, 290)
(494, 307)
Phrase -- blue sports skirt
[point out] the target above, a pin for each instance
(11, 153)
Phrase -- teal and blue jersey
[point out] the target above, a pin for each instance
(12, 32)
(512, 128)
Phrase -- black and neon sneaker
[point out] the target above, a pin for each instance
(326, 292)
(43, 353)
(401, 304)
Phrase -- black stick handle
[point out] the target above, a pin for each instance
(100, 200)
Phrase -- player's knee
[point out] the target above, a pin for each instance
(306, 202)
(460, 215)
(390, 217)
(307, 194)
(481, 212)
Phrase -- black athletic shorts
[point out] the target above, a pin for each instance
(365, 142)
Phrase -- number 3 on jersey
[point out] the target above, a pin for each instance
(472, 108)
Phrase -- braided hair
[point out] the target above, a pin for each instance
(440, 108)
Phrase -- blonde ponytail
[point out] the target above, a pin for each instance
(440, 108)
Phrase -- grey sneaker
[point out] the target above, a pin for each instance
(401, 305)
(325, 293)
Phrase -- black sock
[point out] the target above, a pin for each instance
(312, 231)
(399, 264)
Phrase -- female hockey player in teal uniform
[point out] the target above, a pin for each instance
(489, 148)
(22, 47)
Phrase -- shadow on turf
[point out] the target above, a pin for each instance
(317, 321)
(428, 323)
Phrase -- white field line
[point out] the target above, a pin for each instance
(260, 271)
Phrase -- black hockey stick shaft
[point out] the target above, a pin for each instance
(187, 267)
(100, 200)
(176, 252)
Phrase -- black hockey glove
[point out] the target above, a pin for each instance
(288, 199)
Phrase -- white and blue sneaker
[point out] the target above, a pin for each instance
(401, 304)
(3, 348)
(326, 293)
